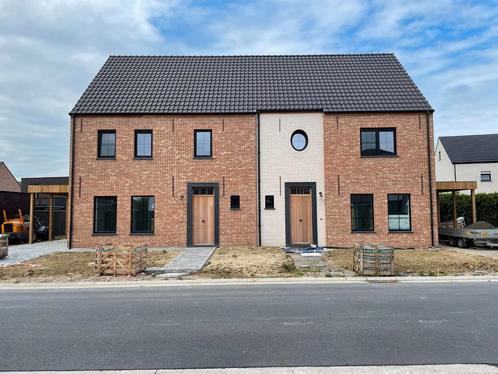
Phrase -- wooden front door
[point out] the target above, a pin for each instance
(301, 210)
(203, 216)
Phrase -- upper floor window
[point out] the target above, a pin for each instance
(269, 202)
(299, 140)
(104, 213)
(143, 143)
(378, 142)
(202, 143)
(485, 176)
(106, 144)
(398, 207)
(362, 212)
(235, 202)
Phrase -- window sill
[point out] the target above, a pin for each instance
(141, 233)
(269, 208)
(236, 209)
(106, 158)
(380, 156)
(400, 232)
(203, 157)
(142, 158)
(363, 232)
(104, 234)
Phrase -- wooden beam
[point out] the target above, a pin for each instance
(48, 188)
(31, 216)
(474, 209)
(453, 195)
(50, 217)
(448, 186)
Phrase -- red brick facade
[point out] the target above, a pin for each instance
(346, 173)
(234, 167)
(165, 176)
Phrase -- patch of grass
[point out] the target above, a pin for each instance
(68, 266)
(424, 262)
(249, 262)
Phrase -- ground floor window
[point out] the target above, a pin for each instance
(399, 212)
(362, 212)
(105, 214)
(142, 214)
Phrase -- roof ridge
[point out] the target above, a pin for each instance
(270, 55)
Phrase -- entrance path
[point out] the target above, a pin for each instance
(24, 252)
(190, 260)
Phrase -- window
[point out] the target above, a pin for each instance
(439, 155)
(202, 143)
(107, 144)
(378, 142)
(105, 214)
(235, 202)
(269, 202)
(362, 212)
(485, 176)
(398, 206)
(143, 143)
(299, 140)
(142, 214)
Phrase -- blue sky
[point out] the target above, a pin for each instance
(50, 51)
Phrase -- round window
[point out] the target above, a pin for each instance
(299, 140)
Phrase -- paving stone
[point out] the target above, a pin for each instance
(25, 252)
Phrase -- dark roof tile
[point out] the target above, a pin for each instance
(466, 149)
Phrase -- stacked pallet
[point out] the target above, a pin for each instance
(115, 261)
(374, 260)
(4, 247)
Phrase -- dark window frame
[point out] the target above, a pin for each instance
(95, 232)
(210, 144)
(377, 131)
(153, 216)
(485, 173)
(299, 132)
(272, 207)
(99, 144)
(137, 132)
(351, 212)
(236, 201)
(409, 212)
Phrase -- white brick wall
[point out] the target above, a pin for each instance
(280, 163)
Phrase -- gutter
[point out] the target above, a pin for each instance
(258, 175)
(431, 203)
(70, 239)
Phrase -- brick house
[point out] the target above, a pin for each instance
(252, 150)
(8, 182)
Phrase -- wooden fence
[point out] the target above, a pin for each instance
(120, 261)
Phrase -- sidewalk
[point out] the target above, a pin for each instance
(248, 281)
(408, 369)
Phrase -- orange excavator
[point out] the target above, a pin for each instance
(16, 228)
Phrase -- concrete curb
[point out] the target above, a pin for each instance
(248, 281)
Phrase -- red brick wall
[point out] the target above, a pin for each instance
(234, 160)
(7, 180)
(347, 173)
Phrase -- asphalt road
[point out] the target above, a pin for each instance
(248, 326)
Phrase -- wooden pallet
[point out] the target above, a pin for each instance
(376, 260)
(115, 261)
(4, 247)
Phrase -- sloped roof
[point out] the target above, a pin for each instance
(468, 149)
(246, 84)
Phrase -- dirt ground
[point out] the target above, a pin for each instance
(424, 262)
(249, 262)
(67, 266)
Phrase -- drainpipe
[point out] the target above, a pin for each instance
(71, 195)
(430, 175)
(258, 176)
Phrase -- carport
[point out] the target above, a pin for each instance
(46, 189)
(454, 187)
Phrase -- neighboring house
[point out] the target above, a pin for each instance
(248, 150)
(8, 182)
(469, 158)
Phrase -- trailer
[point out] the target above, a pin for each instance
(469, 236)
